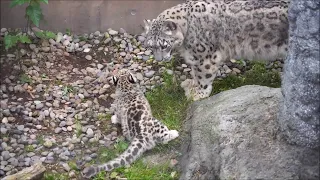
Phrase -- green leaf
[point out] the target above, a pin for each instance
(40, 34)
(68, 32)
(10, 41)
(45, 1)
(17, 2)
(34, 12)
(24, 39)
(113, 175)
(50, 35)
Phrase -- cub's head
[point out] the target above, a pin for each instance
(124, 80)
(162, 37)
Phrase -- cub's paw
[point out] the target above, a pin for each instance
(173, 134)
(114, 119)
(89, 172)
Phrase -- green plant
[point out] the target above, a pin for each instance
(104, 116)
(12, 40)
(73, 165)
(29, 148)
(25, 79)
(78, 128)
(45, 34)
(40, 139)
(68, 32)
(257, 74)
(140, 170)
(55, 176)
(33, 10)
(67, 89)
(82, 38)
(101, 176)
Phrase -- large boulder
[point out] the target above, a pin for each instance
(234, 135)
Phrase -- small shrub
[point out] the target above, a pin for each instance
(33, 10)
(257, 74)
(12, 40)
(25, 79)
(45, 35)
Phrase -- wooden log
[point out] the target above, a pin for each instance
(34, 172)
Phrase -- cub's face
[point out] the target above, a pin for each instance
(162, 38)
(124, 80)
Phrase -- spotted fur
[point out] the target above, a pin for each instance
(207, 33)
(138, 125)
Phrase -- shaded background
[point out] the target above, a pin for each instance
(86, 16)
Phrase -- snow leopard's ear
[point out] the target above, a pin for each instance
(169, 27)
(147, 25)
(115, 80)
(132, 79)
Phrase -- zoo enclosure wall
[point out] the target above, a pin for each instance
(86, 16)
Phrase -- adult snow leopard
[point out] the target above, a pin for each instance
(138, 125)
(206, 33)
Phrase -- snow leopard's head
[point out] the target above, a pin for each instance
(162, 37)
(124, 80)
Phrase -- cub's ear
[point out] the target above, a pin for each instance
(169, 27)
(132, 79)
(115, 80)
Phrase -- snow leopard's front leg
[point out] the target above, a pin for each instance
(203, 74)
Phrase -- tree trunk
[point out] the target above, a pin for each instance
(300, 110)
(33, 172)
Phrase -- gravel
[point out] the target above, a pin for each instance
(51, 113)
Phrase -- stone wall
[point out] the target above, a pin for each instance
(84, 16)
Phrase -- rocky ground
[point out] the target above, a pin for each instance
(56, 99)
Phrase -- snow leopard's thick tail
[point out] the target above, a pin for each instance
(136, 148)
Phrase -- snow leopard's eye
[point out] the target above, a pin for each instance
(164, 45)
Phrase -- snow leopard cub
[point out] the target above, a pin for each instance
(133, 112)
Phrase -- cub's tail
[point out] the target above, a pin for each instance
(136, 148)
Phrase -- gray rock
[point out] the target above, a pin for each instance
(234, 135)
(86, 50)
(107, 41)
(141, 38)
(57, 130)
(66, 167)
(5, 155)
(20, 127)
(3, 30)
(39, 106)
(62, 124)
(112, 32)
(3, 130)
(96, 41)
(147, 52)
(149, 74)
(45, 49)
(32, 46)
(97, 33)
(47, 144)
(299, 114)
(139, 76)
(89, 133)
(88, 57)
